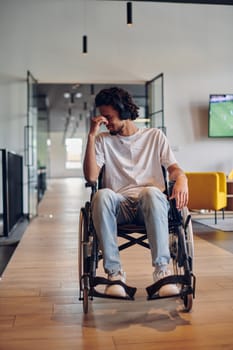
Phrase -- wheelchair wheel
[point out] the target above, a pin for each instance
(84, 265)
(85, 300)
(188, 235)
(182, 251)
(188, 302)
(173, 244)
(188, 298)
(182, 265)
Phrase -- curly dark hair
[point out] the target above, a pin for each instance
(120, 100)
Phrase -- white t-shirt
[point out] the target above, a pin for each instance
(133, 162)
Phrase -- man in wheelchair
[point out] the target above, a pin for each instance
(133, 184)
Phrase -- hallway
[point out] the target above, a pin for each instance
(39, 305)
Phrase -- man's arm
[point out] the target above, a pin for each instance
(90, 168)
(180, 189)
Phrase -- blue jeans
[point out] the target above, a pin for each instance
(151, 209)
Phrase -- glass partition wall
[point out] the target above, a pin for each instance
(155, 102)
(30, 139)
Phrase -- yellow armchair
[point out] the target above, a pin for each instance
(207, 190)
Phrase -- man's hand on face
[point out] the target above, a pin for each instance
(96, 123)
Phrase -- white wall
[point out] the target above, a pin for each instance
(190, 44)
(187, 121)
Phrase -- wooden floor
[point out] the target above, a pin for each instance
(40, 309)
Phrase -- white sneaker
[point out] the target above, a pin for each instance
(116, 290)
(168, 289)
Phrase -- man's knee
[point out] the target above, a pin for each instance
(102, 197)
(150, 193)
(152, 197)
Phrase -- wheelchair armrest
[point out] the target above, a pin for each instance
(93, 185)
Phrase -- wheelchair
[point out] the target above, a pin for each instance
(180, 244)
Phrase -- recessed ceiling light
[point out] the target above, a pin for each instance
(78, 94)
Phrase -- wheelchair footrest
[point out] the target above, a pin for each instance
(130, 291)
(152, 290)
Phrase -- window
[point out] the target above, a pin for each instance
(73, 153)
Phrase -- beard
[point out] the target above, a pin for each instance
(118, 131)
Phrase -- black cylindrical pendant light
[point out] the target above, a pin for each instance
(129, 13)
(84, 44)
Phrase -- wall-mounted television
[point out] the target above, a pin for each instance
(221, 115)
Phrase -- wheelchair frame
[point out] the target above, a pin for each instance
(181, 251)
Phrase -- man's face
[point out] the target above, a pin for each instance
(114, 124)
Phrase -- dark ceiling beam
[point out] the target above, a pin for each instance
(206, 2)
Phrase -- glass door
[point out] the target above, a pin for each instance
(30, 139)
(155, 102)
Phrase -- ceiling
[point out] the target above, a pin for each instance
(46, 38)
